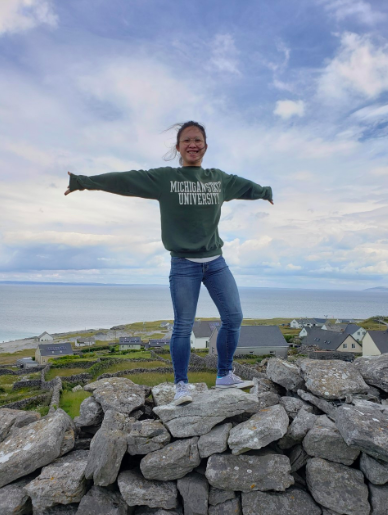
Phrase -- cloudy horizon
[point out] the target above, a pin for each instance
(293, 95)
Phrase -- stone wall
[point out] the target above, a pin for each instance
(306, 440)
(30, 383)
(20, 371)
(344, 356)
(37, 399)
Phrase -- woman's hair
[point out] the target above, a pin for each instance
(180, 127)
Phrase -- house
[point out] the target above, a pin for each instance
(332, 341)
(201, 333)
(45, 351)
(161, 343)
(307, 322)
(166, 325)
(44, 337)
(257, 340)
(356, 331)
(304, 332)
(375, 343)
(344, 321)
(130, 343)
(337, 328)
(85, 342)
(26, 363)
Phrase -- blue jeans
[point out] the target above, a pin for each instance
(185, 284)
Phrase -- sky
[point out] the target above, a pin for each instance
(293, 94)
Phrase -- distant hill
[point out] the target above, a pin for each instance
(378, 288)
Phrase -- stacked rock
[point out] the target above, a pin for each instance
(310, 438)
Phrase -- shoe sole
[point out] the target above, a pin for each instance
(183, 400)
(245, 384)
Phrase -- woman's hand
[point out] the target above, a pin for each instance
(68, 189)
(270, 201)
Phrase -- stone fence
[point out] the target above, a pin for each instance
(20, 371)
(327, 355)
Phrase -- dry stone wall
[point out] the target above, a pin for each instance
(310, 438)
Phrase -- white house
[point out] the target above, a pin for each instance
(375, 343)
(201, 333)
(44, 337)
(307, 322)
(354, 330)
(84, 342)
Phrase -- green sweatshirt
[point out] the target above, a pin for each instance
(190, 200)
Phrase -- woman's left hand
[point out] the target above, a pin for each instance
(271, 202)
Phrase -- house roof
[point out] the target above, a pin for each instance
(351, 328)
(45, 332)
(380, 339)
(55, 349)
(205, 329)
(159, 343)
(129, 339)
(337, 328)
(326, 340)
(261, 336)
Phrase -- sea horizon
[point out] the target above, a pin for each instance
(27, 310)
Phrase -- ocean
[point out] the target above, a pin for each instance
(27, 310)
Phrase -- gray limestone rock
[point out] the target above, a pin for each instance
(194, 490)
(293, 404)
(267, 399)
(164, 393)
(59, 509)
(247, 473)
(174, 461)
(33, 446)
(206, 411)
(284, 373)
(298, 429)
(90, 413)
(147, 436)
(14, 418)
(293, 501)
(100, 501)
(337, 487)
(379, 499)
(264, 385)
(364, 403)
(217, 496)
(374, 370)
(332, 379)
(14, 500)
(364, 428)
(144, 510)
(136, 490)
(117, 393)
(321, 404)
(375, 471)
(61, 482)
(264, 427)
(325, 441)
(107, 449)
(214, 442)
(232, 507)
(298, 458)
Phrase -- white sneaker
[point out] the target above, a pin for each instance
(182, 395)
(232, 381)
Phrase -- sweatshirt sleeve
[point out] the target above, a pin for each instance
(136, 183)
(236, 187)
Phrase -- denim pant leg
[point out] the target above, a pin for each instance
(185, 285)
(222, 288)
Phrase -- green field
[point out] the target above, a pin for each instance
(129, 365)
(71, 401)
(64, 372)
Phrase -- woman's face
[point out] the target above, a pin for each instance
(191, 146)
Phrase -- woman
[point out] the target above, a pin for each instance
(190, 199)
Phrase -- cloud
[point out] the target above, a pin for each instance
(287, 108)
(360, 68)
(224, 54)
(363, 11)
(22, 15)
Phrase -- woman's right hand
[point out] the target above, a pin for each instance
(68, 189)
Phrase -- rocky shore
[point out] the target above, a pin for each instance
(310, 438)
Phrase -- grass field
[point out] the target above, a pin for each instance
(129, 365)
(371, 325)
(9, 396)
(64, 372)
(8, 358)
(71, 401)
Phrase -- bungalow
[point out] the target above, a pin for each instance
(257, 340)
(307, 322)
(337, 328)
(375, 343)
(332, 341)
(161, 343)
(356, 331)
(46, 351)
(344, 321)
(130, 342)
(85, 342)
(201, 333)
(44, 337)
